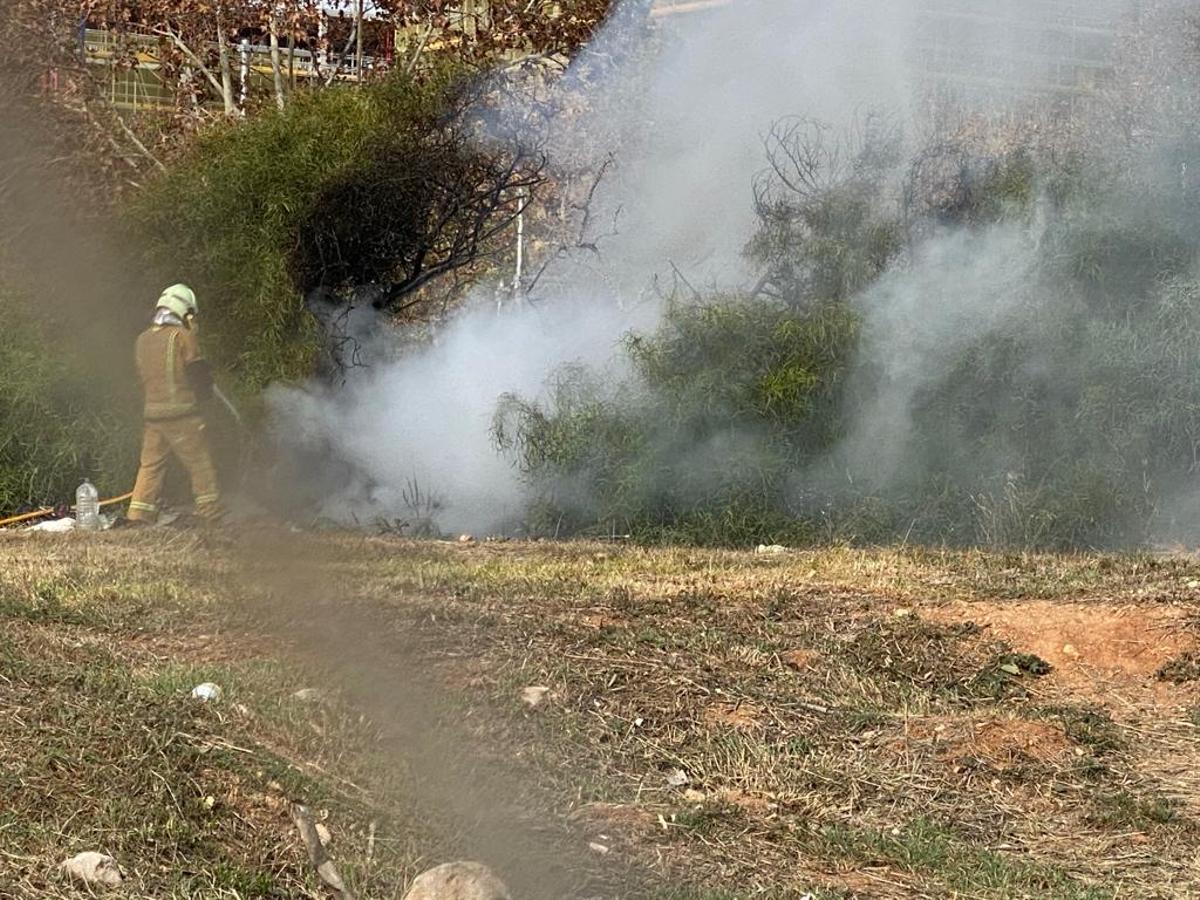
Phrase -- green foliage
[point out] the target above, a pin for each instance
(1074, 421)
(924, 845)
(58, 422)
(1007, 674)
(1130, 812)
(729, 396)
(231, 218)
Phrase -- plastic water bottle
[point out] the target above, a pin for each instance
(87, 507)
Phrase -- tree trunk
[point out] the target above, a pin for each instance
(322, 44)
(358, 56)
(226, 66)
(292, 60)
(276, 62)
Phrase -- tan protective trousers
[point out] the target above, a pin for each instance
(186, 440)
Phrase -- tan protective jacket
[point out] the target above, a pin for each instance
(163, 354)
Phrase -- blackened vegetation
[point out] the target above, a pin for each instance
(385, 189)
(1181, 670)
(422, 202)
(823, 233)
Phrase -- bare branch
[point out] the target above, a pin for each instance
(167, 32)
(317, 854)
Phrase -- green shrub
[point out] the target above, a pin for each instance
(255, 205)
(729, 397)
(58, 422)
(1073, 422)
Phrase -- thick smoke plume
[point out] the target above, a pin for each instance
(687, 139)
(684, 109)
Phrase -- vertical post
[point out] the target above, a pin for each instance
(519, 274)
(322, 42)
(358, 57)
(276, 64)
(226, 65)
(244, 73)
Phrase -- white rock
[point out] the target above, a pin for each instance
(533, 697)
(207, 691)
(309, 695)
(458, 881)
(677, 778)
(93, 869)
(770, 550)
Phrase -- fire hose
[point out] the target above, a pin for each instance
(38, 514)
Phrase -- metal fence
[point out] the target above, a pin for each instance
(1061, 47)
(135, 78)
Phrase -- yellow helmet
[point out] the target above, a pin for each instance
(179, 299)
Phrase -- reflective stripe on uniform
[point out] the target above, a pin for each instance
(143, 507)
(168, 410)
(204, 499)
(172, 386)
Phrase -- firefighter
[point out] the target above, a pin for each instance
(176, 380)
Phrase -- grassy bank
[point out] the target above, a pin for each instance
(845, 722)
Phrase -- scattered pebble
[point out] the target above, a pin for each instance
(309, 695)
(93, 869)
(770, 549)
(533, 697)
(597, 847)
(677, 778)
(207, 691)
(466, 539)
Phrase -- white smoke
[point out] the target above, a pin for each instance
(686, 129)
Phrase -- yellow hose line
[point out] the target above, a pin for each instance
(45, 512)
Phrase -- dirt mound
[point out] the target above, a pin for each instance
(1001, 743)
(736, 716)
(1092, 646)
(800, 660)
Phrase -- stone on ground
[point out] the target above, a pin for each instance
(93, 869)
(458, 881)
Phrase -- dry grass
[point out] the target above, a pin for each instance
(846, 722)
